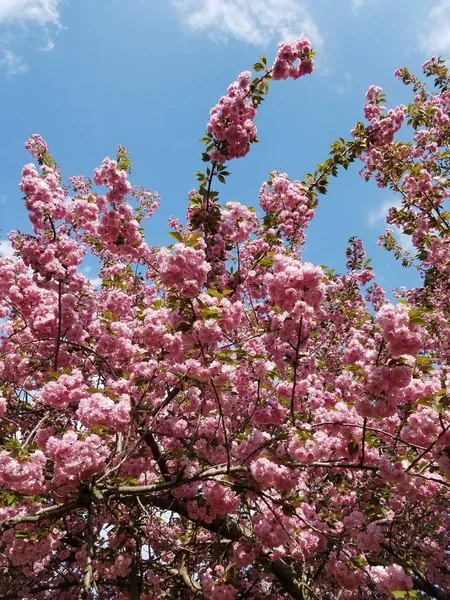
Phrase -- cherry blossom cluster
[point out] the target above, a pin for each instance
(382, 127)
(293, 60)
(231, 121)
(220, 418)
(289, 201)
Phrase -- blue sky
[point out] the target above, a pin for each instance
(91, 74)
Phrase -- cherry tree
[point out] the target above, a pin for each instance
(221, 419)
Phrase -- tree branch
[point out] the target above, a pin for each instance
(226, 527)
(51, 512)
(90, 544)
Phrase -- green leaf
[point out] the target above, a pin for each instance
(425, 401)
(176, 235)
(193, 239)
(210, 313)
(123, 160)
(183, 326)
(352, 447)
(415, 318)
(357, 370)
(288, 510)
(225, 357)
(52, 375)
(15, 447)
(359, 562)
(267, 261)
(424, 363)
(214, 293)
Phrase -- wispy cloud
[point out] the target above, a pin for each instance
(435, 34)
(6, 250)
(42, 12)
(13, 63)
(96, 282)
(20, 19)
(47, 47)
(356, 4)
(378, 216)
(343, 86)
(253, 21)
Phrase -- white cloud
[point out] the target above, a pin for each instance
(404, 240)
(13, 63)
(96, 282)
(253, 21)
(379, 214)
(48, 46)
(6, 250)
(435, 35)
(42, 12)
(343, 86)
(17, 19)
(357, 4)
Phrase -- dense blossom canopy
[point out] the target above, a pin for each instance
(221, 419)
